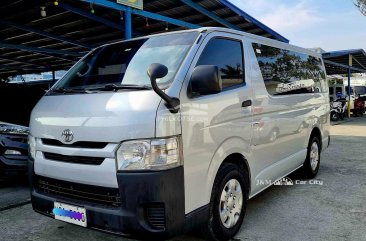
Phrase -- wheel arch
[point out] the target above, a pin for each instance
(316, 133)
(235, 151)
(240, 161)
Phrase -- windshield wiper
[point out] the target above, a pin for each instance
(114, 87)
(66, 91)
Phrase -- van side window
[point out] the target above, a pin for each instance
(228, 56)
(339, 90)
(346, 90)
(287, 72)
(331, 90)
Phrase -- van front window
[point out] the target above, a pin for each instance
(125, 64)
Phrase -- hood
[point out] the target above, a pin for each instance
(99, 117)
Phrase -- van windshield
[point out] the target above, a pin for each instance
(125, 64)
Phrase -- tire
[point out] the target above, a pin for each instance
(312, 162)
(217, 229)
(334, 116)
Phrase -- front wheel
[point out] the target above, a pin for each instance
(228, 203)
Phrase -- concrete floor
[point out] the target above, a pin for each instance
(333, 211)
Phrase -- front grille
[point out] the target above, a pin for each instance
(79, 144)
(155, 213)
(79, 192)
(74, 159)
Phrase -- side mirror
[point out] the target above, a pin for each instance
(158, 71)
(206, 80)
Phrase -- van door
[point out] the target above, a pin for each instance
(286, 87)
(209, 121)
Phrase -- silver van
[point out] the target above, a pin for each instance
(162, 134)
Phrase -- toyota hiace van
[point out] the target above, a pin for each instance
(157, 135)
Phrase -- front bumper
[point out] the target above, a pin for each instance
(151, 204)
(11, 165)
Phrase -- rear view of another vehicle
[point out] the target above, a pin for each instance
(13, 150)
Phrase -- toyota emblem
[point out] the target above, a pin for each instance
(67, 135)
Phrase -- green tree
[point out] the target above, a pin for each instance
(361, 4)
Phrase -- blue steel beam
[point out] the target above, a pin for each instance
(358, 70)
(45, 34)
(349, 84)
(39, 50)
(209, 14)
(91, 16)
(254, 21)
(128, 24)
(158, 17)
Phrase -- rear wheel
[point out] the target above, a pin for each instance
(334, 116)
(311, 165)
(228, 203)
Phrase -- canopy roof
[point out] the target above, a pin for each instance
(337, 62)
(30, 43)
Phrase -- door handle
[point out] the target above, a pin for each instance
(246, 103)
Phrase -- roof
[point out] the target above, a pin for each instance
(30, 43)
(336, 62)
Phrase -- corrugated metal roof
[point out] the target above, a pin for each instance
(90, 33)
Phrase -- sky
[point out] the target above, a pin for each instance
(329, 24)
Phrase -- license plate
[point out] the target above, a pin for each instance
(70, 214)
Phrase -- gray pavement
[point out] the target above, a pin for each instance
(13, 193)
(335, 210)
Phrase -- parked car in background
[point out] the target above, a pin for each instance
(17, 101)
(13, 150)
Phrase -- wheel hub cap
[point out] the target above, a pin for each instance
(231, 203)
(314, 156)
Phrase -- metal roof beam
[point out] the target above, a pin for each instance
(91, 16)
(45, 34)
(158, 17)
(209, 14)
(22, 62)
(39, 50)
(355, 59)
(344, 66)
(2, 66)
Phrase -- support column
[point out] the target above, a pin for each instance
(53, 77)
(349, 85)
(128, 23)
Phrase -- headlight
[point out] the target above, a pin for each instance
(6, 128)
(155, 154)
(32, 146)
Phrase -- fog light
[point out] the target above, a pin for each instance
(12, 152)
